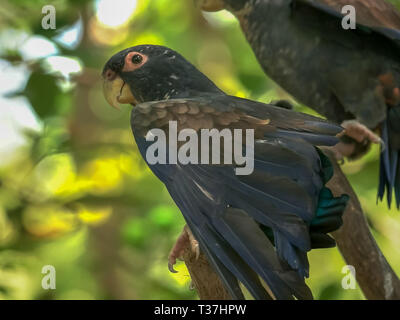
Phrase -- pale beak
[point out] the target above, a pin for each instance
(117, 92)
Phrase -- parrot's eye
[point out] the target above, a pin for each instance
(133, 61)
(137, 59)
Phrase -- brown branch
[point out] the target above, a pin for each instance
(204, 279)
(374, 275)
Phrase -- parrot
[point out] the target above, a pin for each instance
(350, 75)
(256, 228)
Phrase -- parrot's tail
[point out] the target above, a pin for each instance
(389, 175)
(329, 212)
(328, 219)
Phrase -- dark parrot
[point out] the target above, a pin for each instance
(259, 225)
(351, 76)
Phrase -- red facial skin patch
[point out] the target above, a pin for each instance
(129, 65)
(390, 91)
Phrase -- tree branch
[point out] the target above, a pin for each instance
(374, 275)
(204, 279)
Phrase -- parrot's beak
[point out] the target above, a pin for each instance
(210, 5)
(117, 92)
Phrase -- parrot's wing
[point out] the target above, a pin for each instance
(285, 122)
(222, 111)
(376, 16)
(225, 211)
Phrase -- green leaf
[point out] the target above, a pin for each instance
(43, 93)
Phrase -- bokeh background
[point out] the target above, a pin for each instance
(74, 192)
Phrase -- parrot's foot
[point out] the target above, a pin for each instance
(360, 135)
(177, 251)
(359, 132)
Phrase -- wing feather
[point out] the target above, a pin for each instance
(374, 15)
(225, 212)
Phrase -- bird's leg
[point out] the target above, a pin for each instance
(181, 243)
(360, 134)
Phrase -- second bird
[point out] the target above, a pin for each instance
(351, 76)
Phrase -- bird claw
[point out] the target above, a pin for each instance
(171, 267)
(181, 243)
(360, 132)
(194, 244)
(195, 248)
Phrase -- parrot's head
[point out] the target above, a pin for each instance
(151, 73)
(217, 5)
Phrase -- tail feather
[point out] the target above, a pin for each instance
(243, 233)
(394, 159)
(218, 248)
(227, 277)
(322, 241)
(328, 218)
(227, 263)
(389, 175)
(296, 258)
(397, 190)
(313, 138)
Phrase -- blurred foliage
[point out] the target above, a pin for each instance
(74, 193)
